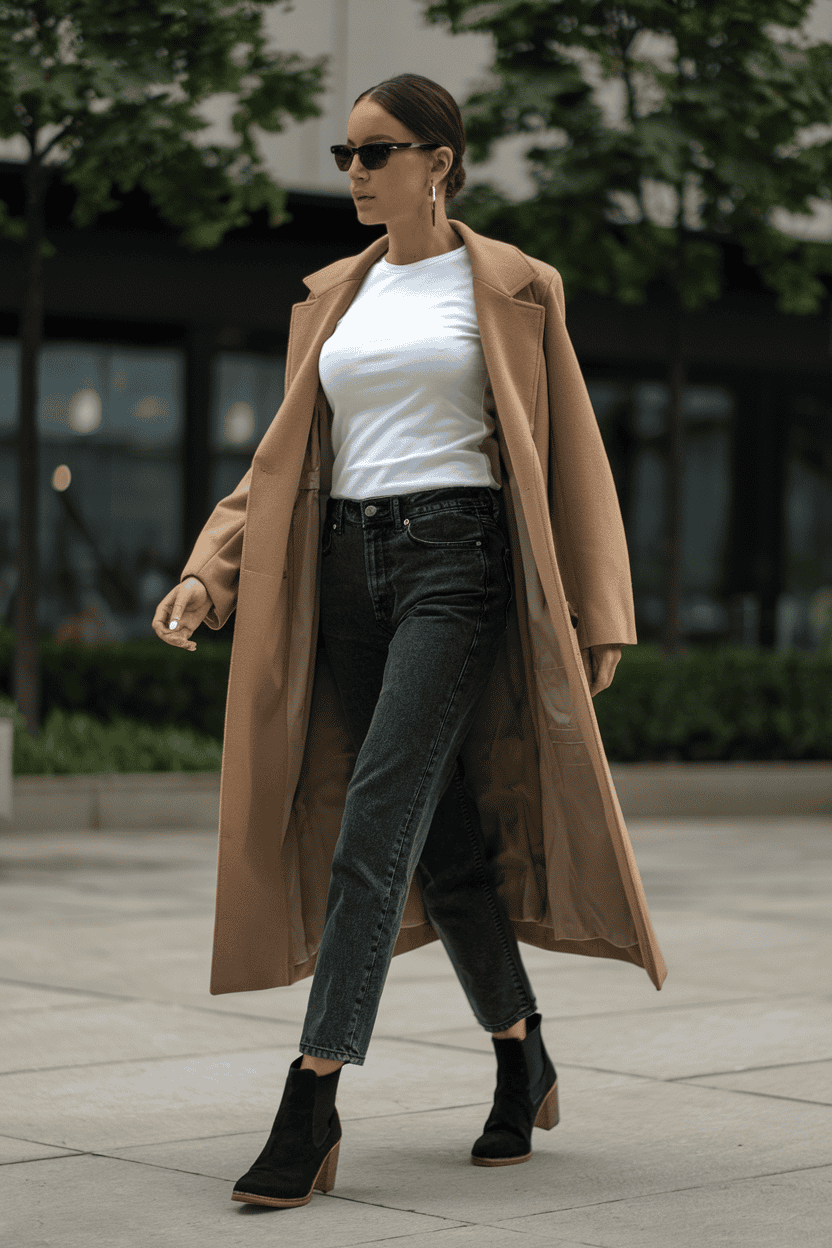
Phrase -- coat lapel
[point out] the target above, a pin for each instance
(510, 330)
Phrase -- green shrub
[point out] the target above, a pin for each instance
(152, 707)
(729, 702)
(141, 680)
(73, 743)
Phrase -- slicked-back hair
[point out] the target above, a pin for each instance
(430, 112)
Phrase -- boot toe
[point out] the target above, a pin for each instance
(270, 1187)
(496, 1147)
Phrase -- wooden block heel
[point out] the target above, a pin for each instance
(548, 1115)
(326, 1175)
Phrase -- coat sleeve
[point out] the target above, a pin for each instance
(583, 502)
(217, 554)
(215, 558)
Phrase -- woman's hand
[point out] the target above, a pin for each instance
(181, 612)
(600, 663)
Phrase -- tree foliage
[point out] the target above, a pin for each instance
(715, 116)
(112, 89)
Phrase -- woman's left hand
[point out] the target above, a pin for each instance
(600, 663)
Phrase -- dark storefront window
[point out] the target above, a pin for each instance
(804, 610)
(247, 391)
(633, 420)
(110, 429)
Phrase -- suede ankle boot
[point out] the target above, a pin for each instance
(526, 1096)
(301, 1154)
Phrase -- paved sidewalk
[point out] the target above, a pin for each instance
(130, 1099)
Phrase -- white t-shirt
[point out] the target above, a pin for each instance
(405, 376)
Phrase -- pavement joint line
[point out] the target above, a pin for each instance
(355, 1200)
(230, 1135)
(28, 983)
(25, 1139)
(438, 1230)
(26, 1161)
(769, 1096)
(264, 1018)
(601, 1070)
(675, 1191)
(139, 1000)
(556, 1020)
(744, 1070)
(130, 1061)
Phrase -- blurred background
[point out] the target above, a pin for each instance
(161, 368)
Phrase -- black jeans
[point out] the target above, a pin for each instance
(414, 600)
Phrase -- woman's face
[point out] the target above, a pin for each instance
(401, 190)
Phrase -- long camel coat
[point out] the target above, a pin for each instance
(534, 756)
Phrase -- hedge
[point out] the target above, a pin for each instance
(722, 703)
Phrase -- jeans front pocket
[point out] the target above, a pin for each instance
(447, 528)
(326, 540)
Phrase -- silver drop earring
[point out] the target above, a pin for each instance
(433, 202)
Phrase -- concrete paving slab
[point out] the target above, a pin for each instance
(229, 1155)
(25, 997)
(811, 1081)
(125, 1103)
(119, 1032)
(98, 1202)
(680, 1043)
(741, 908)
(12, 1150)
(614, 1143)
(477, 1236)
(157, 957)
(610, 1145)
(108, 1107)
(761, 970)
(772, 1211)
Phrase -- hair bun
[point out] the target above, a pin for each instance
(455, 182)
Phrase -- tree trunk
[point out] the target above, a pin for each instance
(673, 508)
(26, 685)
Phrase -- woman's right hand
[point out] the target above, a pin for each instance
(181, 612)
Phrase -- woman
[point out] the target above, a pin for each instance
(408, 700)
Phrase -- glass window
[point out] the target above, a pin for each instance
(110, 494)
(804, 610)
(633, 420)
(247, 391)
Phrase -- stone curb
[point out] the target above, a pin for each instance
(191, 799)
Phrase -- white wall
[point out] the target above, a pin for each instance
(369, 40)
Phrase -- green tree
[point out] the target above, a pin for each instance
(719, 122)
(111, 91)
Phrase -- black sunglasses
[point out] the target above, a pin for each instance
(373, 155)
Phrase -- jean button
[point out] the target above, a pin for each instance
(371, 510)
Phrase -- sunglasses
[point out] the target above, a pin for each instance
(373, 155)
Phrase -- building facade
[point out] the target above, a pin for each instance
(162, 368)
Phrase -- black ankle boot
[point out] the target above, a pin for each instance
(301, 1154)
(526, 1096)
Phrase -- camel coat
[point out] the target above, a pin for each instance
(534, 755)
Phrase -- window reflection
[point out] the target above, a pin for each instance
(247, 391)
(804, 611)
(633, 420)
(110, 424)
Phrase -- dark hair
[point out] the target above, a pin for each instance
(430, 112)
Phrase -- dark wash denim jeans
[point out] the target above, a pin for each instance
(415, 592)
